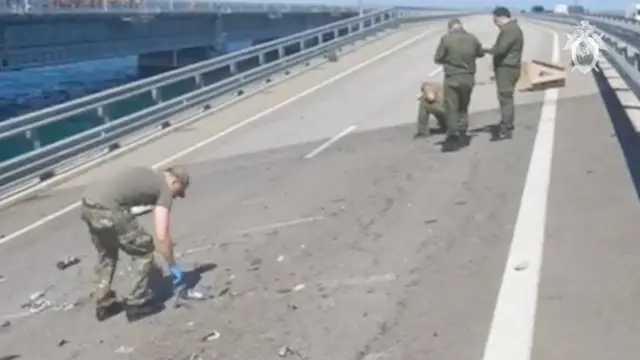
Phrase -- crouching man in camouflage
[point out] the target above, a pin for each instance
(106, 211)
(430, 103)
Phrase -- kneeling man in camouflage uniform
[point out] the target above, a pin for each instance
(430, 103)
(106, 211)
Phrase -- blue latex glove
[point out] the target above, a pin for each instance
(176, 274)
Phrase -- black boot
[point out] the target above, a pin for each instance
(500, 132)
(137, 312)
(451, 144)
(464, 139)
(104, 312)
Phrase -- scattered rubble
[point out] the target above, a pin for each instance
(214, 335)
(5, 324)
(286, 351)
(37, 302)
(124, 350)
(62, 342)
(522, 266)
(186, 294)
(68, 262)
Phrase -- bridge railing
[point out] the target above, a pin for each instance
(160, 6)
(155, 101)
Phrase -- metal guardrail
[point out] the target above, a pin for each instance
(158, 6)
(269, 58)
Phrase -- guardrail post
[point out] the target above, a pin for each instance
(233, 68)
(319, 37)
(262, 59)
(636, 61)
(33, 136)
(102, 113)
(199, 81)
(281, 52)
(302, 45)
(156, 95)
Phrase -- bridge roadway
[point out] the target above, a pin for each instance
(401, 249)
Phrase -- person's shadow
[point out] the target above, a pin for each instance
(162, 285)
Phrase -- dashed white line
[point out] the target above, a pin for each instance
(242, 124)
(329, 142)
(512, 328)
(435, 72)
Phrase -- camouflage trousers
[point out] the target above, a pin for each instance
(425, 111)
(112, 231)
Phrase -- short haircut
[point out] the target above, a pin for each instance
(453, 22)
(501, 11)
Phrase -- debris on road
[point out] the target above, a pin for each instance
(286, 351)
(214, 335)
(2, 278)
(124, 350)
(68, 262)
(185, 294)
(37, 302)
(522, 266)
(280, 258)
(62, 342)
(292, 306)
(5, 324)
(299, 287)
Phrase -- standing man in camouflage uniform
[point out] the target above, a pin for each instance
(106, 211)
(430, 102)
(457, 53)
(507, 61)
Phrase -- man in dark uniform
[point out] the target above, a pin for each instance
(457, 53)
(507, 61)
(106, 211)
(430, 103)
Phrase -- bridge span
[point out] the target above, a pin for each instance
(338, 236)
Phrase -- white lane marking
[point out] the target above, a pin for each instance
(511, 332)
(329, 142)
(253, 201)
(280, 225)
(436, 71)
(242, 124)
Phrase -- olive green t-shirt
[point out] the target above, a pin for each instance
(135, 186)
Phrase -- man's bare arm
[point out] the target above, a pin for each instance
(163, 242)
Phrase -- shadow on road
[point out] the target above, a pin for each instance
(623, 128)
(162, 286)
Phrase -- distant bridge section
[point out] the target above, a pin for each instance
(163, 34)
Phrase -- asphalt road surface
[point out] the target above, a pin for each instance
(336, 235)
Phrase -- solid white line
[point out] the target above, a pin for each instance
(436, 71)
(511, 332)
(329, 142)
(242, 124)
